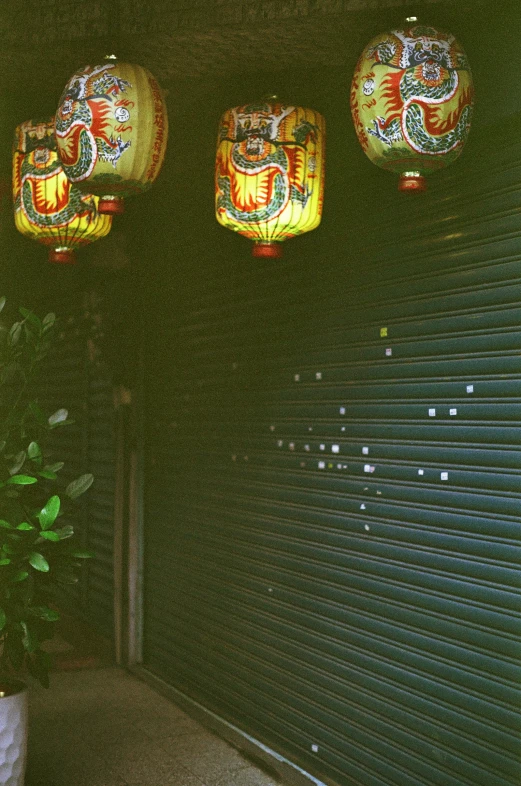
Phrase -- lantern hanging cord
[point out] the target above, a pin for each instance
(114, 33)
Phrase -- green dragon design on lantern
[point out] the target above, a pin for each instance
(82, 118)
(411, 101)
(34, 174)
(269, 172)
(47, 206)
(111, 131)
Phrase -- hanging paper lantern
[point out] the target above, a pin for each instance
(411, 101)
(270, 172)
(111, 130)
(47, 207)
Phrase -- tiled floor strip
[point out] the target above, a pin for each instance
(104, 727)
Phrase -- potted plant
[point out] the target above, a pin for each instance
(36, 550)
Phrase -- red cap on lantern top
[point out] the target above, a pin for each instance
(47, 207)
(411, 101)
(269, 174)
(111, 131)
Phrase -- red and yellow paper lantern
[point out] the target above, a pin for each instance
(269, 175)
(111, 131)
(47, 207)
(411, 101)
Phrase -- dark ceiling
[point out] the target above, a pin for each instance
(44, 41)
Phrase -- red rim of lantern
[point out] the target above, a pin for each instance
(62, 256)
(111, 205)
(267, 250)
(411, 182)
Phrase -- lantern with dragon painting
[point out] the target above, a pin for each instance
(270, 172)
(111, 131)
(411, 101)
(47, 207)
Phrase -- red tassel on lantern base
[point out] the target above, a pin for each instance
(62, 256)
(412, 181)
(111, 206)
(267, 250)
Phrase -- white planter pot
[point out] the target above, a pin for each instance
(13, 733)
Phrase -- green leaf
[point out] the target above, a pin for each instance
(5, 561)
(20, 575)
(47, 475)
(15, 333)
(65, 532)
(38, 562)
(34, 451)
(39, 665)
(25, 526)
(49, 513)
(62, 423)
(82, 554)
(30, 640)
(2, 303)
(58, 417)
(30, 317)
(22, 480)
(50, 535)
(3, 619)
(79, 486)
(19, 461)
(44, 613)
(5, 524)
(54, 467)
(48, 321)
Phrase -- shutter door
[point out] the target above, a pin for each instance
(79, 381)
(332, 506)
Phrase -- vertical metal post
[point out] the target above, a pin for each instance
(128, 514)
(135, 539)
(121, 404)
(84, 511)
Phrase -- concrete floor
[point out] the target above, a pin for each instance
(104, 727)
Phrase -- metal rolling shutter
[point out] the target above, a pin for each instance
(99, 515)
(332, 506)
(82, 385)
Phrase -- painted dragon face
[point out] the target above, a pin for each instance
(257, 129)
(254, 131)
(37, 137)
(425, 50)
